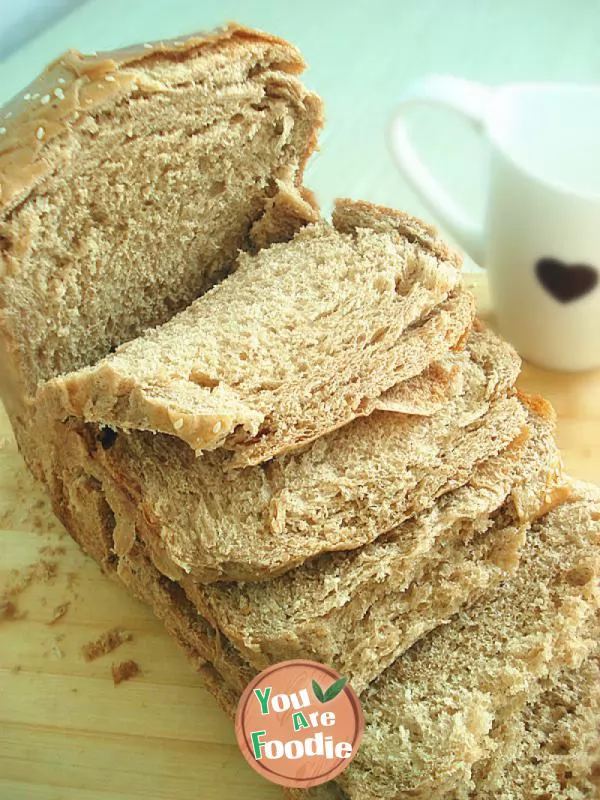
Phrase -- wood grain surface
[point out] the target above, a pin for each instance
(66, 732)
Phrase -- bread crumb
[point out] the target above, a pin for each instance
(8, 611)
(50, 550)
(124, 671)
(71, 580)
(16, 669)
(106, 643)
(45, 571)
(57, 652)
(42, 571)
(59, 612)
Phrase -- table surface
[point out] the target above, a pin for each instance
(66, 732)
(360, 56)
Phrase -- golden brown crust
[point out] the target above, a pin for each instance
(75, 84)
(349, 214)
(538, 405)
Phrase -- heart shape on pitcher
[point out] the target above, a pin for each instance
(566, 282)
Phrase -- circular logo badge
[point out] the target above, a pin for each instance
(299, 724)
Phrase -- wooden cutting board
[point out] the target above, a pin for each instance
(66, 732)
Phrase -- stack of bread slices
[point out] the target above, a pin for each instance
(292, 437)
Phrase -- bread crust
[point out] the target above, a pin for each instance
(76, 84)
(349, 215)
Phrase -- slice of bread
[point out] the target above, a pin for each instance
(303, 337)
(359, 611)
(549, 751)
(435, 707)
(343, 491)
(130, 180)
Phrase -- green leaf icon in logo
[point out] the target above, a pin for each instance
(318, 692)
(331, 693)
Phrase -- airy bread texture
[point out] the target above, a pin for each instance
(356, 611)
(129, 181)
(343, 491)
(548, 751)
(433, 716)
(435, 707)
(535, 627)
(552, 749)
(460, 684)
(359, 611)
(302, 338)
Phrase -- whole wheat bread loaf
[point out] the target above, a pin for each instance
(454, 684)
(344, 490)
(129, 181)
(302, 338)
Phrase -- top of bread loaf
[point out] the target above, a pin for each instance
(78, 84)
(299, 340)
(129, 181)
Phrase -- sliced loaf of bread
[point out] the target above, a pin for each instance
(343, 491)
(302, 338)
(129, 181)
(432, 716)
